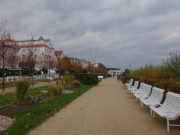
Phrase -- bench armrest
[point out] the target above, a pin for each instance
(154, 103)
(138, 92)
(168, 112)
(144, 96)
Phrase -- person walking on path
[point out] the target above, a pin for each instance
(119, 77)
(106, 109)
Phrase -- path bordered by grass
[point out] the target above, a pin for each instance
(27, 120)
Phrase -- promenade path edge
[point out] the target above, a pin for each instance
(106, 109)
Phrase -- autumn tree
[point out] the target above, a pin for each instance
(58, 65)
(31, 63)
(66, 64)
(28, 60)
(89, 69)
(43, 63)
(77, 67)
(48, 60)
(6, 47)
(23, 64)
(14, 60)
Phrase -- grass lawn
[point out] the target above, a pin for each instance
(8, 85)
(9, 98)
(27, 120)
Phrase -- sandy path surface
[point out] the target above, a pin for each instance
(106, 109)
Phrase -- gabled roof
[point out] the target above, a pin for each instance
(40, 38)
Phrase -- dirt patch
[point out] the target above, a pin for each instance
(26, 104)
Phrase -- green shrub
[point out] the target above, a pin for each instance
(172, 66)
(60, 88)
(17, 74)
(76, 83)
(54, 90)
(88, 79)
(67, 81)
(21, 89)
(125, 79)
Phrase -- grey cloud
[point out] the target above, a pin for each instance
(122, 32)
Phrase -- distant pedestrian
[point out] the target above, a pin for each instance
(119, 77)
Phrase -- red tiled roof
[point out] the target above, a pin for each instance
(37, 45)
(58, 53)
(31, 40)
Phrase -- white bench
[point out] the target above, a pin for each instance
(155, 98)
(144, 93)
(136, 84)
(49, 78)
(170, 109)
(100, 77)
(130, 83)
(138, 90)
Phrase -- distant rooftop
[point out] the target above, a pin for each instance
(113, 69)
(40, 38)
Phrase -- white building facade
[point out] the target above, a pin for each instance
(40, 49)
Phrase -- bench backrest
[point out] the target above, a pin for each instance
(136, 83)
(157, 94)
(100, 77)
(141, 87)
(172, 102)
(146, 89)
(131, 82)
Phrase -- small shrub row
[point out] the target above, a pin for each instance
(67, 81)
(21, 90)
(76, 83)
(167, 84)
(55, 90)
(10, 73)
(125, 79)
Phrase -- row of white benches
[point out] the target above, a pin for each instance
(153, 96)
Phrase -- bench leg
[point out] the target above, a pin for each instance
(151, 112)
(168, 124)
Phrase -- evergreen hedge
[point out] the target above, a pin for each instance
(84, 78)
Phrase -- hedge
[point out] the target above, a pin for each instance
(9, 72)
(84, 78)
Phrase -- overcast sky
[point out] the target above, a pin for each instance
(121, 33)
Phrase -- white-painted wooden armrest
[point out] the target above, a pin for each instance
(143, 97)
(168, 112)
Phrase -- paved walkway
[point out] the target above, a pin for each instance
(39, 84)
(106, 109)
